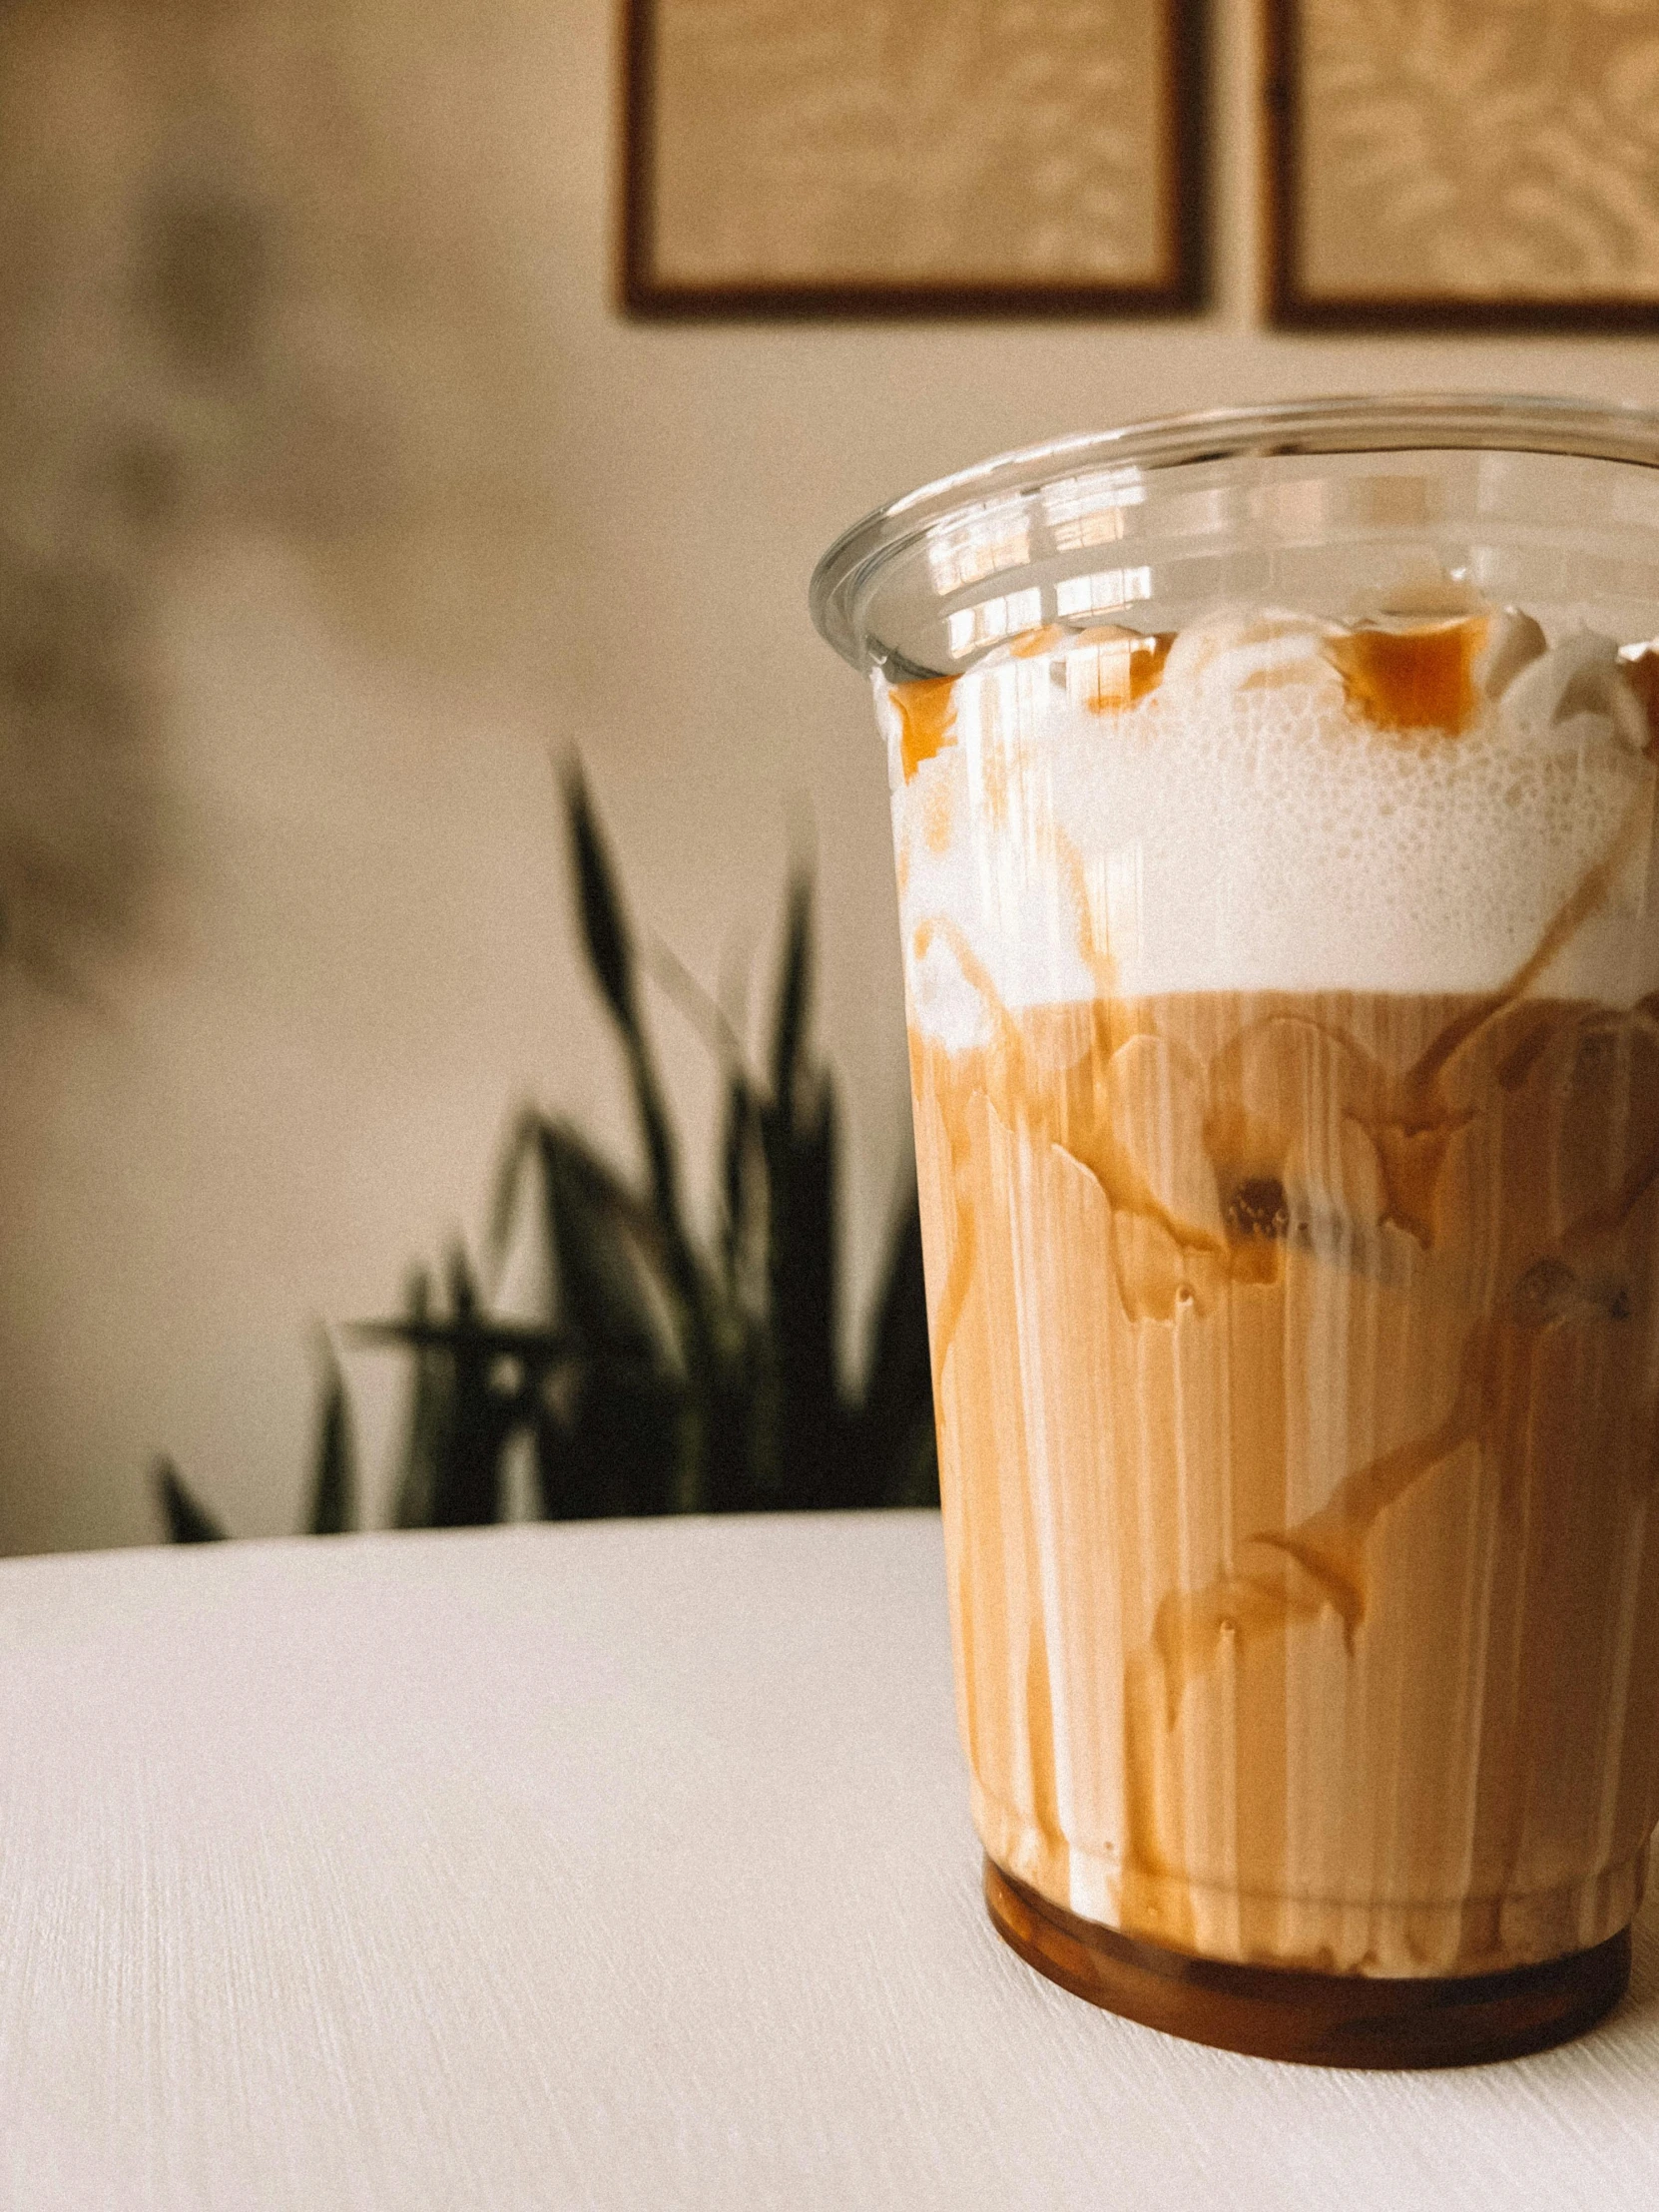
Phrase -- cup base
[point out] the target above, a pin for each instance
(1312, 2020)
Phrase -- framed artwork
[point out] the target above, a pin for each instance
(1463, 163)
(910, 156)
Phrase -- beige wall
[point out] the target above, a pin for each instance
(356, 954)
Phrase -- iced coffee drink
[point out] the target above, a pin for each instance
(1283, 990)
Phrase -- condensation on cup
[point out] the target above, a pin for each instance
(1273, 809)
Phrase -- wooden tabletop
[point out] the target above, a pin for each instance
(620, 1864)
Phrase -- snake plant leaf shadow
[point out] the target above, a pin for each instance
(742, 1192)
(507, 1188)
(788, 1036)
(802, 1176)
(800, 1144)
(616, 1447)
(334, 1488)
(609, 941)
(430, 1411)
(620, 1441)
(613, 1292)
(610, 955)
(893, 1444)
(463, 1428)
(186, 1522)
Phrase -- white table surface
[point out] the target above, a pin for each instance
(624, 1865)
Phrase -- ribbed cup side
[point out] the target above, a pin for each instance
(1298, 1449)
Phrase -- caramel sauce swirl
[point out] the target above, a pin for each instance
(926, 713)
(1411, 678)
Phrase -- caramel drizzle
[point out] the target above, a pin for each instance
(1130, 666)
(1326, 1547)
(926, 713)
(1102, 1156)
(1413, 680)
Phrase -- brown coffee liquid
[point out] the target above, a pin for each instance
(1299, 1405)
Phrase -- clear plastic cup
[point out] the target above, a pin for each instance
(1273, 798)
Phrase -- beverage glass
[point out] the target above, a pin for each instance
(1272, 800)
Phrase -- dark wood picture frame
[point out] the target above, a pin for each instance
(1289, 304)
(643, 292)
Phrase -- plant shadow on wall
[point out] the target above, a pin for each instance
(662, 1379)
(259, 281)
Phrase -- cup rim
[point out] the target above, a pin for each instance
(1515, 422)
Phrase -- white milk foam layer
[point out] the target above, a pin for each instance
(1242, 828)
